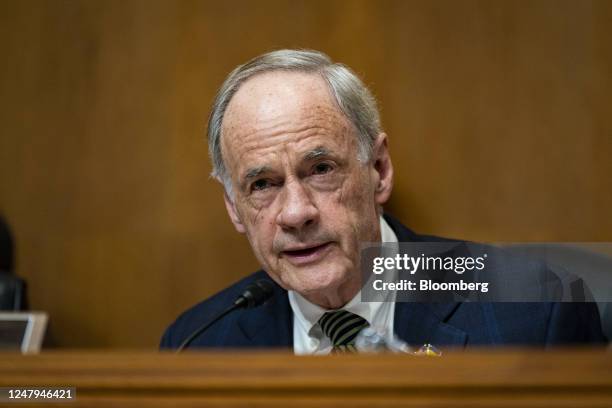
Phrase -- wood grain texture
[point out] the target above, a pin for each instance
(498, 114)
(518, 378)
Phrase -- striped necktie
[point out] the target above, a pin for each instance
(342, 328)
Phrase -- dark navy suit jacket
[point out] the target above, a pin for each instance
(442, 324)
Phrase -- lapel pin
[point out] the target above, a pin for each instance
(428, 350)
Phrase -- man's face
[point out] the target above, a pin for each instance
(301, 195)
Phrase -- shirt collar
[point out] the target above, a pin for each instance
(307, 314)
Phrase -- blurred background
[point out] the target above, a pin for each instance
(499, 115)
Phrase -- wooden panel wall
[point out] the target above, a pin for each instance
(498, 112)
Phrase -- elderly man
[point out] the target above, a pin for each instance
(296, 141)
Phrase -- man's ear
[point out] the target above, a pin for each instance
(233, 213)
(383, 168)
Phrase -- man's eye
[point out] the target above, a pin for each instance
(260, 185)
(322, 168)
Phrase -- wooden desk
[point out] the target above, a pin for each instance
(223, 379)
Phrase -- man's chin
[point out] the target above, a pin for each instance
(322, 278)
(309, 290)
(324, 284)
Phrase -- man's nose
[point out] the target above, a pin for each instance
(298, 208)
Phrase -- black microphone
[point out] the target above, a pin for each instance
(256, 294)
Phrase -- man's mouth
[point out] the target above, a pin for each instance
(307, 254)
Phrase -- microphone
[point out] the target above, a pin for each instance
(256, 294)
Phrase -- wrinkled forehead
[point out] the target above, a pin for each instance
(279, 102)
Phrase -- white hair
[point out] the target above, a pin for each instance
(353, 98)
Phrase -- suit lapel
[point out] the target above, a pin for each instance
(270, 324)
(420, 323)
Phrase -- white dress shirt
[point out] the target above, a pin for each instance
(308, 338)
